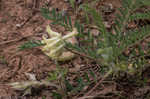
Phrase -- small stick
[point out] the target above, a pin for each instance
(15, 40)
(105, 76)
(10, 41)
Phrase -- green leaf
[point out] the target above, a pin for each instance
(56, 95)
(53, 12)
(146, 2)
(72, 2)
(70, 22)
(106, 53)
(69, 87)
(97, 19)
(53, 76)
(46, 13)
(93, 75)
(81, 84)
(87, 77)
(138, 16)
(66, 20)
(30, 44)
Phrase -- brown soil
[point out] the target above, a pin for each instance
(21, 21)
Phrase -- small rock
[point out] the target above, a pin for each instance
(18, 25)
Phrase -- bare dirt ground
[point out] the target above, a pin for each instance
(21, 21)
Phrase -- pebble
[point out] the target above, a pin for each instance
(18, 25)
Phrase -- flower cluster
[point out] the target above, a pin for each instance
(54, 46)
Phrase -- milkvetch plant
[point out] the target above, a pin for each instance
(107, 49)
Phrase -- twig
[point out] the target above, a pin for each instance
(19, 39)
(10, 41)
(95, 96)
(105, 76)
(15, 40)
(87, 97)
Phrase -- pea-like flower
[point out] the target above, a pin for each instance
(54, 46)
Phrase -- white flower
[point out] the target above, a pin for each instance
(54, 46)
